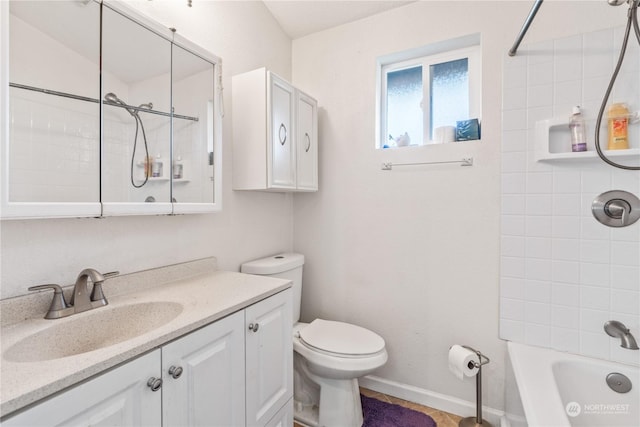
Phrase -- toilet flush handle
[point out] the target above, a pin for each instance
(254, 327)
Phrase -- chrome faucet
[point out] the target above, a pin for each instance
(81, 300)
(616, 329)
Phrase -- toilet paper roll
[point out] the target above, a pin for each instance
(462, 361)
(444, 134)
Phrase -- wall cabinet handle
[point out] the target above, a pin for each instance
(254, 327)
(282, 134)
(154, 383)
(306, 135)
(175, 372)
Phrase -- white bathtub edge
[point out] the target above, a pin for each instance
(432, 399)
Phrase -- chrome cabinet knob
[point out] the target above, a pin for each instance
(175, 372)
(254, 327)
(154, 383)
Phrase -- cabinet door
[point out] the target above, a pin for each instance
(269, 357)
(281, 164)
(210, 390)
(136, 116)
(50, 115)
(307, 143)
(284, 417)
(117, 398)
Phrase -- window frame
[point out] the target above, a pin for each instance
(416, 58)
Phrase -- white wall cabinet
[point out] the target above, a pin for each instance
(275, 138)
(105, 112)
(204, 379)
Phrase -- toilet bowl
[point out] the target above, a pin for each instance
(329, 356)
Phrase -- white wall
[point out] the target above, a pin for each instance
(245, 36)
(413, 253)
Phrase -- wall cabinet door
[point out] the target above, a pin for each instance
(269, 357)
(209, 389)
(281, 166)
(307, 142)
(119, 397)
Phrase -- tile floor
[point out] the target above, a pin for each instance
(442, 419)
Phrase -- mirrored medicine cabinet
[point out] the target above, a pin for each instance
(105, 112)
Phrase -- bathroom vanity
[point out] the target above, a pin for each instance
(179, 345)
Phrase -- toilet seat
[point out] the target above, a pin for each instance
(340, 339)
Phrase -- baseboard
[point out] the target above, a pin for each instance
(429, 398)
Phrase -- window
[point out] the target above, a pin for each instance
(419, 93)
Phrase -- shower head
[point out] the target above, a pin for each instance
(148, 106)
(616, 2)
(113, 98)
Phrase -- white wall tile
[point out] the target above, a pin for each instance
(538, 291)
(513, 183)
(594, 345)
(594, 297)
(537, 269)
(566, 227)
(565, 339)
(566, 181)
(627, 302)
(594, 251)
(565, 271)
(512, 330)
(592, 229)
(625, 277)
(593, 320)
(514, 98)
(566, 204)
(512, 225)
(514, 120)
(512, 267)
(538, 247)
(513, 204)
(511, 309)
(539, 335)
(514, 162)
(514, 140)
(595, 274)
(512, 246)
(563, 316)
(540, 96)
(540, 74)
(537, 313)
(513, 288)
(541, 183)
(566, 249)
(625, 253)
(568, 93)
(538, 204)
(565, 294)
(598, 53)
(538, 226)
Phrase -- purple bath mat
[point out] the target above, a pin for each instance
(382, 414)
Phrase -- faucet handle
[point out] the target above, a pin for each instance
(96, 294)
(58, 303)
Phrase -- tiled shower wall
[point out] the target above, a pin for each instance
(563, 274)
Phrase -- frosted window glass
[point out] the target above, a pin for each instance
(449, 88)
(404, 98)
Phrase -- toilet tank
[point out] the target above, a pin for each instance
(282, 266)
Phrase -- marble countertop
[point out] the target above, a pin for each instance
(204, 296)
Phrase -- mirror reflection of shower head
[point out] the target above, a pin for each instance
(616, 2)
(113, 98)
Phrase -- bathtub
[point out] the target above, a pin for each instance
(565, 390)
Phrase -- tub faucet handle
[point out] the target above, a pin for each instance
(616, 329)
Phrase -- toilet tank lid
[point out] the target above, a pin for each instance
(274, 264)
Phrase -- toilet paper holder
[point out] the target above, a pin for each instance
(480, 357)
(476, 421)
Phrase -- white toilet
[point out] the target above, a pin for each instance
(329, 357)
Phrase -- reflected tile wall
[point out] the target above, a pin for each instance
(563, 274)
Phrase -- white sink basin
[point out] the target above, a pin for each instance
(92, 330)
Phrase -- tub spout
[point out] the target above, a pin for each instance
(616, 329)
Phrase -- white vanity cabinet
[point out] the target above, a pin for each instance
(274, 134)
(236, 371)
(120, 397)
